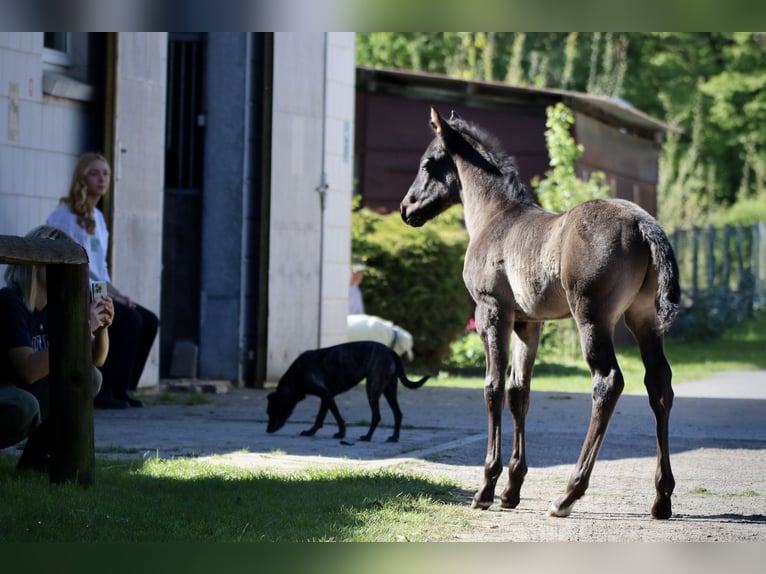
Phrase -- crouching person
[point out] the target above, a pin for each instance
(25, 404)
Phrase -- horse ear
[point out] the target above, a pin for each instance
(436, 121)
(453, 116)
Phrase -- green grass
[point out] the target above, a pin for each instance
(739, 349)
(191, 500)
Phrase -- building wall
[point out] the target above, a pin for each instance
(339, 163)
(393, 132)
(139, 174)
(41, 136)
(309, 248)
(225, 186)
(630, 163)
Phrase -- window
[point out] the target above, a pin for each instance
(56, 41)
(57, 49)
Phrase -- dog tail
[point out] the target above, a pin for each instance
(403, 377)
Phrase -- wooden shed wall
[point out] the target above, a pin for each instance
(392, 132)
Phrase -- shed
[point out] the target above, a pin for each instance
(392, 112)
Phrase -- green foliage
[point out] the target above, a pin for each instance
(746, 212)
(559, 342)
(414, 277)
(561, 189)
(466, 354)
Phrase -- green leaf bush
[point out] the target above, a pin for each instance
(415, 277)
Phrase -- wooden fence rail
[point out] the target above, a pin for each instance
(729, 259)
(73, 452)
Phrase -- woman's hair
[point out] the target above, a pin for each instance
(24, 277)
(77, 198)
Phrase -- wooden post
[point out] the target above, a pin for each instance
(710, 263)
(695, 262)
(73, 456)
(71, 384)
(740, 259)
(726, 264)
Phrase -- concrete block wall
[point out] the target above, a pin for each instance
(310, 118)
(41, 136)
(139, 174)
(339, 161)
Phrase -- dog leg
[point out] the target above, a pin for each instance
(319, 420)
(375, 408)
(390, 394)
(338, 419)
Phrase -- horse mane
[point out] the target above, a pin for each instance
(513, 188)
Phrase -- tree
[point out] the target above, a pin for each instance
(561, 189)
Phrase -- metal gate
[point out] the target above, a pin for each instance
(182, 210)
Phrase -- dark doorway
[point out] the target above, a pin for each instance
(182, 210)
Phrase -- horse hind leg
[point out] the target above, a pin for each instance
(526, 337)
(608, 383)
(657, 381)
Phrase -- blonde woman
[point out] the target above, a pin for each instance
(25, 403)
(134, 328)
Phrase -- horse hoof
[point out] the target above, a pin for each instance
(509, 502)
(510, 497)
(559, 512)
(480, 505)
(661, 509)
(392, 439)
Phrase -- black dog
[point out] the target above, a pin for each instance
(330, 371)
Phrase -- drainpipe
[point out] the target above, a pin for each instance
(322, 190)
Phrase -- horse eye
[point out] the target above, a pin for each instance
(426, 165)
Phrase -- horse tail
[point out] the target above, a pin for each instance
(668, 294)
(403, 377)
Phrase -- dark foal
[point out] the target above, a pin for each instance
(599, 261)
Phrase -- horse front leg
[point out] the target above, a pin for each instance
(493, 326)
(608, 383)
(525, 340)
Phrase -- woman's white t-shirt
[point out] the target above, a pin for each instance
(95, 245)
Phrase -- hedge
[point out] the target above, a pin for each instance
(415, 277)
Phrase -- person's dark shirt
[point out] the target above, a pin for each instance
(19, 328)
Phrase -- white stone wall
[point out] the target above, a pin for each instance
(139, 173)
(41, 136)
(300, 277)
(339, 167)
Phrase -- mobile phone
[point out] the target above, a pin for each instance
(97, 290)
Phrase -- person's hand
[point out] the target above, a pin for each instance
(101, 313)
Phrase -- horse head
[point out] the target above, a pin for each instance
(437, 185)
